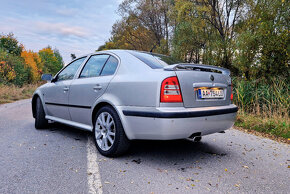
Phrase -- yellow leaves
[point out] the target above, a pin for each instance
(7, 72)
(47, 50)
(11, 75)
(31, 60)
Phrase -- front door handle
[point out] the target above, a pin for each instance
(98, 87)
(65, 89)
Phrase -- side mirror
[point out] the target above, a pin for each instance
(46, 77)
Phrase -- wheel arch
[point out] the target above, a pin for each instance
(97, 107)
(33, 103)
(103, 103)
(36, 95)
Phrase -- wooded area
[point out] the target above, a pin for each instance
(249, 37)
(19, 66)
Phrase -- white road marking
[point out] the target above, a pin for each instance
(94, 177)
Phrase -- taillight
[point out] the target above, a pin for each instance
(170, 90)
(232, 95)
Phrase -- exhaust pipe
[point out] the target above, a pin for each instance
(195, 137)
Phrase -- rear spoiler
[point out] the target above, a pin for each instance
(196, 67)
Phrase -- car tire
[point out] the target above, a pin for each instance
(40, 121)
(109, 135)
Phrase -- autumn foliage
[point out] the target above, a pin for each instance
(251, 38)
(19, 66)
(7, 73)
(32, 61)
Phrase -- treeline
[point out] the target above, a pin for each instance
(249, 37)
(19, 66)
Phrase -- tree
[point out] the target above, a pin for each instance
(144, 25)
(73, 56)
(19, 74)
(249, 37)
(58, 57)
(191, 35)
(7, 73)
(33, 62)
(10, 44)
(130, 34)
(212, 24)
(263, 40)
(52, 60)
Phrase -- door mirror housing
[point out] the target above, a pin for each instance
(46, 77)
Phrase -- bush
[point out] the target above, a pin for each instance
(7, 73)
(17, 65)
(264, 105)
(265, 97)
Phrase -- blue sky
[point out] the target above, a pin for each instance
(72, 26)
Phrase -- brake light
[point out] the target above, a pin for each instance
(232, 95)
(170, 90)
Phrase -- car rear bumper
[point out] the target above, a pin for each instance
(175, 122)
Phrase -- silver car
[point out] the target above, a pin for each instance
(123, 95)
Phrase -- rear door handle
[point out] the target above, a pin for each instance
(98, 87)
(65, 89)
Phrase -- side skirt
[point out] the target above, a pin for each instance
(70, 123)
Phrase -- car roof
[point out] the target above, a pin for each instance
(119, 51)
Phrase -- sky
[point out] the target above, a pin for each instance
(71, 26)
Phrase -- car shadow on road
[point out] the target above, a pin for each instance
(173, 150)
(68, 131)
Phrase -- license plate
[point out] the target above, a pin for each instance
(210, 93)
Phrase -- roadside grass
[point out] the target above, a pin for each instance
(264, 106)
(276, 126)
(11, 93)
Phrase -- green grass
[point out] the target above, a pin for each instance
(278, 127)
(264, 105)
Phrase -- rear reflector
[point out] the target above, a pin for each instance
(170, 90)
(232, 95)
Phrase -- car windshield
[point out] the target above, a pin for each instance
(153, 60)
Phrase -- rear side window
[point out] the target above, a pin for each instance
(110, 66)
(155, 61)
(94, 66)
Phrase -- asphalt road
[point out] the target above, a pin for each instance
(62, 159)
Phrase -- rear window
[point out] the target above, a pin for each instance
(155, 61)
(110, 66)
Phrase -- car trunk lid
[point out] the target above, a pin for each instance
(194, 79)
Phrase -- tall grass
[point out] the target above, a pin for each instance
(10, 93)
(264, 105)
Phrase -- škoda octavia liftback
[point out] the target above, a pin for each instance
(123, 95)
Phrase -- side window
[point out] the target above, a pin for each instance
(70, 70)
(94, 66)
(110, 66)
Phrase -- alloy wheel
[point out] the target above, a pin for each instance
(105, 131)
